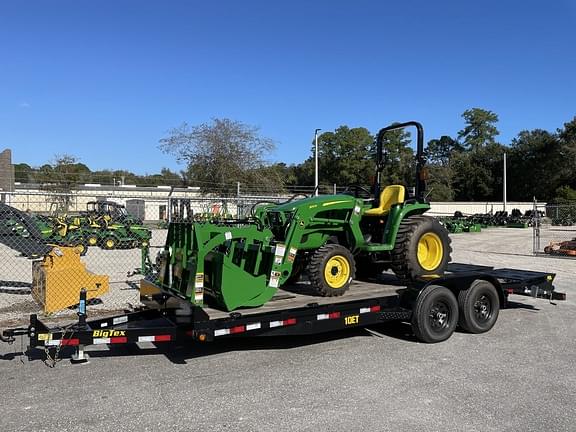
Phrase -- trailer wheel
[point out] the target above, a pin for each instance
(331, 270)
(435, 314)
(479, 306)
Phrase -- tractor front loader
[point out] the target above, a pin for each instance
(330, 237)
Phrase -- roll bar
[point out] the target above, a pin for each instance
(420, 159)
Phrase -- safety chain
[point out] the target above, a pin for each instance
(51, 361)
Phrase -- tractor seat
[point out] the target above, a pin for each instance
(391, 195)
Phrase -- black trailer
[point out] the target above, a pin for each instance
(467, 296)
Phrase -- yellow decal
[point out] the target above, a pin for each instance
(352, 319)
(108, 333)
(44, 336)
(334, 202)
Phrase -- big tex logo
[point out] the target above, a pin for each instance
(108, 333)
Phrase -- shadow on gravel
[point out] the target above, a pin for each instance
(514, 305)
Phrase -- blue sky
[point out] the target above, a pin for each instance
(104, 81)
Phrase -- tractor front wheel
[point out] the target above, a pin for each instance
(109, 243)
(92, 240)
(422, 248)
(331, 270)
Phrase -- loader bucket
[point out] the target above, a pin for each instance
(231, 266)
(233, 287)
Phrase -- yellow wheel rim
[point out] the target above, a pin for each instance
(430, 251)
(337, 271)
(110, 244)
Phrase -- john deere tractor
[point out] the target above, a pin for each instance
(241, 263)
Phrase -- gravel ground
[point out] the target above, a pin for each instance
(518, 377)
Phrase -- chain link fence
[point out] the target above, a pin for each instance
(52, 245)
(554, 230)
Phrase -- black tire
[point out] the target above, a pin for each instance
(83, 248)
(338, 262)
(479, 307)
(80, 246)
(92, 240)
(405, 261)
(435, 314)
(109, 243)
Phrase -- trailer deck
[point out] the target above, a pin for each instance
(300, 295)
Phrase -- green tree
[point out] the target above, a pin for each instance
(399, 161)
(480, 128)
(23, 173)
(567, 137)
(535, 165)
(220, 153)
(345, 157)
(477, 170)
(60, 178)
(439, 154)
(478, 173)
(565, 194)
(440, 151)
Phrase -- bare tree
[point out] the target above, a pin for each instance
(220, 153)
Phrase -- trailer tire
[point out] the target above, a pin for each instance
(422, 248)
(479, 306)
(331, 270)
(435, 314)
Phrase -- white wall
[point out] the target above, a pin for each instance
(468, 208)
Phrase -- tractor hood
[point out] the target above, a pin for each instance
(318, 201)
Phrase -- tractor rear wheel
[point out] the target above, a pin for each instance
(331, 270)
(422, 248)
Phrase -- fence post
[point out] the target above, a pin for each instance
(535, 229)
(237, 200)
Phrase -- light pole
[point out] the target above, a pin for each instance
(505, 186)
(316, 161)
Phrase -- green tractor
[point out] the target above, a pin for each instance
(109, 225)
(331, 238)
(63, 231)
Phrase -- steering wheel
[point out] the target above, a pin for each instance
(358, 191)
